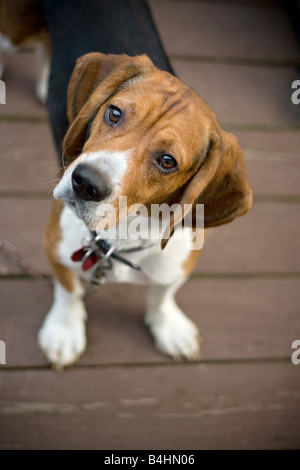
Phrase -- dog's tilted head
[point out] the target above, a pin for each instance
(139, 132)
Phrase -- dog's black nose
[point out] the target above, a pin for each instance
(89, 184)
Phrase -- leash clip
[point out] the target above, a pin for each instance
(98, 254)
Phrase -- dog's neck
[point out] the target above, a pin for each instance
(125, 241)
(99, 252)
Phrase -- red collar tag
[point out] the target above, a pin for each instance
(88, 257)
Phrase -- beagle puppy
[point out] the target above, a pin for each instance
(138, 133)
(23, 25)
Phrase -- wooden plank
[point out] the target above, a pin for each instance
(264, 240)
(244, 318)
(23, 222)
(253, 96)
(238, 319)
(248, 244)
(277, 178)
(242, 406)
(207, 29)
(269, 146)
(20, 80)
(29, 161)
(272, 160)
(25, 147)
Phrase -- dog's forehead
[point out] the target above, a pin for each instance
(164, 93)
(163, 102)
(161, 113)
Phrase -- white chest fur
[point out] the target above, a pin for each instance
(62, 336)
(157, 266)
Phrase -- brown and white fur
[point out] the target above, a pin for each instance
(22, 26)
(160, 115)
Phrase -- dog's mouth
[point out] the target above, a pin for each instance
(113, 218)
(88, 194)
(93, 214)
(96, 216)
(83, 212)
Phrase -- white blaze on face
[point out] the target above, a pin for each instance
(113, 166)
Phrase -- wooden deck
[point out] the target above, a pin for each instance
(241, 56)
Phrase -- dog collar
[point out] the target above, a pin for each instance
(100, 252)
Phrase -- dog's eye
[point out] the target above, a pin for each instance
(113, 115)
(167, 163)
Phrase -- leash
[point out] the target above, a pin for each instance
(97, 254)
(24, 267)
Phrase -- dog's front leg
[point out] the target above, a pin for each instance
(5, 46)
(43, 72)
(173, 332)
(62, 337)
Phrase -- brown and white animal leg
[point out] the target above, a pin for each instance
(62, 336)
(42, 58)
(4, 46)
(173, 332)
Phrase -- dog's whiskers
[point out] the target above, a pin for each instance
(63, 160)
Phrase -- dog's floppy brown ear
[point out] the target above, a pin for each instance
(95, 78)
(228, 194)
(221, 183)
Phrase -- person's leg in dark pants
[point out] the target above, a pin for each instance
(107, 26)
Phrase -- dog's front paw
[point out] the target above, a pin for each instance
(175, 335)
(62, 343)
